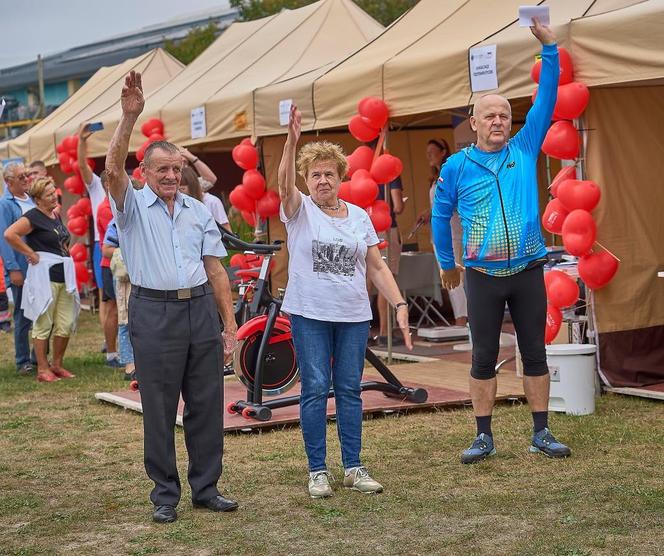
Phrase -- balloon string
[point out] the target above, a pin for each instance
(608, 251)
(381, 140)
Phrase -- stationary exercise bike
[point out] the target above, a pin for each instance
(265, 359)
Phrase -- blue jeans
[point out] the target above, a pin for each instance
(330, 352)
(124, 345)
(22, 327)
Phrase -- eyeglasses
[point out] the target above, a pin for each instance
(23, 176)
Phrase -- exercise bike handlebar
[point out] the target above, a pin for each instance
(233, 242)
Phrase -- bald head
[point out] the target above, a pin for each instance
(492, 120)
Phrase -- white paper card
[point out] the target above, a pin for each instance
(483, 73)
(2, 106)
(284, 111)
(526, 14)
(198, 128)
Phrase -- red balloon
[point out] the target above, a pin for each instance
(566, 68)
(152, 126)
(561, 290)
(140, 153)
(241, 200)
(579, 232)
(59, 148)
(361, 174)
(566, 173)
(572, 101)
(91, 164)
(74, 184)
(249, 217)
(85, 206)
(78, 226)
(82, 272)
(386, 168)
(253, 183)
(362, 130)
(268, 204)
(74, 211)
(65, 162)
(597, 269)
(70, 143)
(554, 319)
(137, 174)
(374, 111)
(383, 244)
(363, 192)
(246, 141)
(239, 260)
(579, 194)
(360, 158)
(344, 191)
(156, 137)
(380, 219)
(245, 156)
(562, 141)
(554, 216)
(78, 252)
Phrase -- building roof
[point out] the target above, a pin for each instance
(83, 61)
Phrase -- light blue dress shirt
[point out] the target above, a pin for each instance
(161, 252)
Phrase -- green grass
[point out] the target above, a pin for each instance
(72, 481)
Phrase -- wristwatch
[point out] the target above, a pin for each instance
(400, 304)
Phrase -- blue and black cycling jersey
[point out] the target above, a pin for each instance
(496, 193)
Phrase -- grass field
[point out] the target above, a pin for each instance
(72, 481)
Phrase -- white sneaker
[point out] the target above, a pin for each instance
(357, 478)
(319, 484)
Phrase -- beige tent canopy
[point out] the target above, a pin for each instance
(97, 97)
(223, 78)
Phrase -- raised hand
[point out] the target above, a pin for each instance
(543, 34)
(132, 95)
(294, 124)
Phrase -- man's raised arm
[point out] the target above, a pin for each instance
(132, 102)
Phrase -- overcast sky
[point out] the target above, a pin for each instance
(31, 27)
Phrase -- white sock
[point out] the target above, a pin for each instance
(112, 355)
(350, 470)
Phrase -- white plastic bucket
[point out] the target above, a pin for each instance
(572, 373)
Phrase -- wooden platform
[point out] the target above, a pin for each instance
(445, 381)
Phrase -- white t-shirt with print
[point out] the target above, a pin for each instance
(327, 265)
(97, 196)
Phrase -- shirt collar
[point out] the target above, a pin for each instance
(151, 197)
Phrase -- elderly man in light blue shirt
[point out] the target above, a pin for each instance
(171, 247)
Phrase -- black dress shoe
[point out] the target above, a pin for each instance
(217, 504)
(164, 514)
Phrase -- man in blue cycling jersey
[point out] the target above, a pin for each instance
(493, 186)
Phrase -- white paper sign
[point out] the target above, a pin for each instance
(284, 111)
(2, 106)
(483, 73)
(198, 128)
(526, 14)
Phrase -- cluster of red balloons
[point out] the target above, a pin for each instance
(251, 197)
(248, 262)
(372, 116)
(562, 139)
(561, 291)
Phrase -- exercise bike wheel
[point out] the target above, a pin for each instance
(280, 370)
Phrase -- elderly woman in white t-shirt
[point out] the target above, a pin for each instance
(332, 248)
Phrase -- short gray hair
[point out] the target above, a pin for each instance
(10, 169)
(170, 148)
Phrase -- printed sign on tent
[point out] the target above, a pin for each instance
(198, 128)
(483, 73)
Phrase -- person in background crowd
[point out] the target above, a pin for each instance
(97, 194)
(122, 286)
(104, 217)
(391, 254)
(51, 296)
(438, 152)
(5, 314)
(189, 184)
(493, 185)
(332, 248)
(172, 249)
(14, 203)
(207, 179)
(37, 169)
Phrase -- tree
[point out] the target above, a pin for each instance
(384, 11)
(196, 40)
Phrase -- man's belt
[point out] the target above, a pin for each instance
(172, 295)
